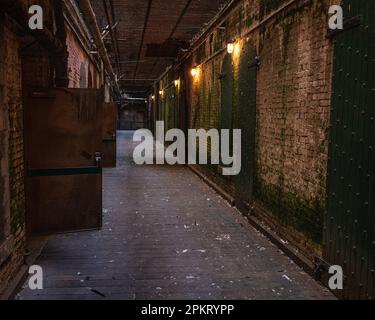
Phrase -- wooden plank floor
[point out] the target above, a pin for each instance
(167, 235)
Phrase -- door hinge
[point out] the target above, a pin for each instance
(255, 63)
(349, 24)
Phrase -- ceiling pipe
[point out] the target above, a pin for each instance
(114, 42)
(105, 33)
(115, 29)
(89, 15)
(145, 24)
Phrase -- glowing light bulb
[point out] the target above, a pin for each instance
(194, 71)
(230, 47)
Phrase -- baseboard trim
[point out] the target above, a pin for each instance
(213, 185)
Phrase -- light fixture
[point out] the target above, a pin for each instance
(161, 92)
(230, 47)
(153, 97)
(177, 83)
(194, 71)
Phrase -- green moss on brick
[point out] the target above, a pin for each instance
(267, 6)
(305, 215)
(292, 206)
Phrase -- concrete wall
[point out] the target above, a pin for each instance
(292, 107)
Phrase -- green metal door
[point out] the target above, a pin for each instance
(226, 77)
(246, 121)
(169, 107)
(350, 217)
(182, 108)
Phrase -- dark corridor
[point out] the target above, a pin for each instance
(264, 112)
(159, 243)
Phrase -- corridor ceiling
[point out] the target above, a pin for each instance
(148, 35)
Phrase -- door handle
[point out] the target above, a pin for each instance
(98, 158)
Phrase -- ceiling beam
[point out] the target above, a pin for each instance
(137, 80)
(184, 10)
(143, 36)
(182, 14)
(112, 8)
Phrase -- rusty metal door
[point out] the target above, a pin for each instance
(109, 150)
(63, 136)
(349, 237)
(246, 121)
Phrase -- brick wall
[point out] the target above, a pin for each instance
(293, 103)
(81, 71)
(294, 90)
(13, 101)
(12, 205)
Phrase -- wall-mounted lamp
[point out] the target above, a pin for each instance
(194, 71)
(177, 83)
(230, 47)
(161, 92)
(152, 97)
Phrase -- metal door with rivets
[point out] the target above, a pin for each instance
(226, 81)
(170, 108)
(63, 137)
(246, 121)
(350, 217)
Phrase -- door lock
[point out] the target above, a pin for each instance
(98, 158)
